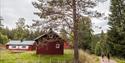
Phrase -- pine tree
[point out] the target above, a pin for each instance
(85, 33)
(102, 45)
(19, 32)
(116, 34)
(63, 34)
(54, 13)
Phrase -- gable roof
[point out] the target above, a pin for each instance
(18, 42)
(49, 32)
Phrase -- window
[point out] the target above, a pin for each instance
(23, 46)
(50, 36)
(13, 46)
(57, 45)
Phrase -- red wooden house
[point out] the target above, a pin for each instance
(50, 43)
(66, 45)
(21, 45)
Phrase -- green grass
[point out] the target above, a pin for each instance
(119, 60)
(31, 57)
(7, 56)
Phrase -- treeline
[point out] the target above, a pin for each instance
(21, 31)
(112, 42)
(87, 41)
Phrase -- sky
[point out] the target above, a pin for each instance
(11, 10)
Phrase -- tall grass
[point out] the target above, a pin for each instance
(119, 60)
(31, 57)
(85, 57)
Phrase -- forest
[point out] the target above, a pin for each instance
(67, 18)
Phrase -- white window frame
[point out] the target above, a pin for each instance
(12, 47)
(23, 46)
(26, 47)
(57, 46)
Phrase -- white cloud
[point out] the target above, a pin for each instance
(99, 22)
(99, 25)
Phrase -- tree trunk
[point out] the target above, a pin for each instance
(76, 54)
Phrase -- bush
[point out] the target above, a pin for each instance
(98, 48)
(101, 47)
(3, 39)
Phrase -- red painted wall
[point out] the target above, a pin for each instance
(31, 47)
(66, 45)
(50, 48)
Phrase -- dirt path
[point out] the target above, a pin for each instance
(105, 60)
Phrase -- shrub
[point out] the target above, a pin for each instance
(3, 39)
(98, 48)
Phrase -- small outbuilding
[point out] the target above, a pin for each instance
(21, 45)
(50, 43)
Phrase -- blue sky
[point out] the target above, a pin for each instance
(11, 10)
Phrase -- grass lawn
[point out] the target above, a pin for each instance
(31, 57)
(7, 56)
